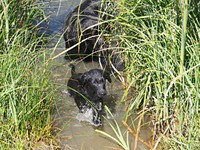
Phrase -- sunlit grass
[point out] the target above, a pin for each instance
(160, 40)
(161, 44)
(119, 137)
(26, 93)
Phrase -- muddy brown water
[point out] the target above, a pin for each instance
(74, 134)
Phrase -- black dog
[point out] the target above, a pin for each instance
(82, 24)
(83, 35)
(88, 90)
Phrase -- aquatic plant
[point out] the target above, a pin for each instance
(26, 93)
(119, 139)
(160, 41)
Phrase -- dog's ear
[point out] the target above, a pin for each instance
(106, 75)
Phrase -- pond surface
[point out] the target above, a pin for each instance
(73, 134)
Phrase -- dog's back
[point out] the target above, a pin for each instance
(82, 28)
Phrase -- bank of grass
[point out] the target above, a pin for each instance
(26, 93)
(161, 41)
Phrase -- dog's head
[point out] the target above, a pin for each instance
(95, 82)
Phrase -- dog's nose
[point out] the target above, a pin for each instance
(102, 93)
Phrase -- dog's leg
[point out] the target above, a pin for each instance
(97, 114)
(99, 106)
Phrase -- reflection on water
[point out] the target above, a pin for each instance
(56, 11)
(76, 135)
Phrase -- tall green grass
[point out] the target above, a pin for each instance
(161, 43)
(26, 93)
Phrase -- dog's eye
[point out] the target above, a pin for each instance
(95, 81)
(101, 80)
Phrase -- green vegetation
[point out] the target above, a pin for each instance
(25, 89)
(161, 42)
(119, 135)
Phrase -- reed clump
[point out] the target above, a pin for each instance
(160, 40)
(26, 93)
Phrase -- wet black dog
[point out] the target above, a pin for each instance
(83, 34)
(82, 24)
(88, 90)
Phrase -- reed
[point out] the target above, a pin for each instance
(26, 92)
(119, 136)
(160, 40)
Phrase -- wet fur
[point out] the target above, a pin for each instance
(78, 26)
(83, 23)
(88, 90)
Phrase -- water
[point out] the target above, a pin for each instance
(73, 133)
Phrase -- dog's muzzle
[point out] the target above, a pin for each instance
(101, 93)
